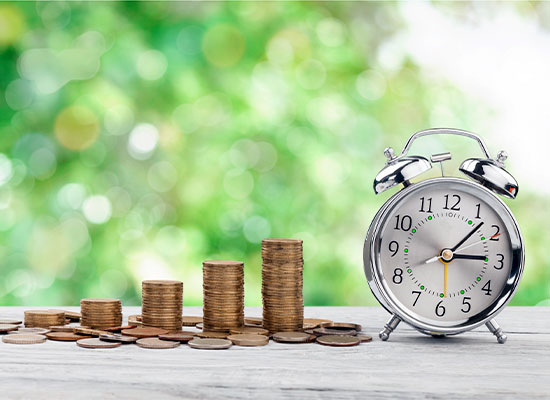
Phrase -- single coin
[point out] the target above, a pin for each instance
(253, 321)
(82, 330)
(342, 326)
(334, 332)
(72, 315)
(291, 337)
(182, 337)
(313, 323)
(249, 330)
(209, 344)
(144, 332)
(338, 341)
(190, 321)
(23, 339)
(364, 338)
(212, 335)
(115, 337)
(8, 327)
(118, 328)
(61, 328)
(96, 343)
(63, 336)
(30, 331)
(249, 339)
(156, 343)
(11, 321)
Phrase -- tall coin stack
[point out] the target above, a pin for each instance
(101, 313)
(44, 318)
(282, 282)
(223, 285)
(162, 304)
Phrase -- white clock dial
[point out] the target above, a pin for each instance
(445, 253)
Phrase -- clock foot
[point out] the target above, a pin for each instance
(389, 327)
(496, 330)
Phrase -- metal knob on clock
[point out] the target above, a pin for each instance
(492, 175)
(399, 170)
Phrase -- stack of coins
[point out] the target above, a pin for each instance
(162, 304)
(282, 282)
(223, 285)
(101, 313)
(44, 318)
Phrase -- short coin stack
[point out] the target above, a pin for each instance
(223, 285)
(282, 282)
(44, 318)
(162, 304)
(100, 313)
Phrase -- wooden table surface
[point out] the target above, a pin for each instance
(409, 365)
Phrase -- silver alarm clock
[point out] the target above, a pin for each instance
(445, 254)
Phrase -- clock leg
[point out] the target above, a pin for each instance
(389, 327)
(496, 330)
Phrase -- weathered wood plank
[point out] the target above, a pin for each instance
(410, 365)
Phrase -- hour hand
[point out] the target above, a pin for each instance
(468, 257)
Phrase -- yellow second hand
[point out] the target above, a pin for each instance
(445, 281)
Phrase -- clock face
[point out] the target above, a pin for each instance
(445, 251)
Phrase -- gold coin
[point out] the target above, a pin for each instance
(95, 343)
(11, 321)
(291, 337)
(338, 341)
(156, 343)
(249, 339)
(212, 335)
(190, 321)
(30, 331)
(8, 327)
(209, 344)
(253, 330)
(24, 339)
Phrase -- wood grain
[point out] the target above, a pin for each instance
(409, 365)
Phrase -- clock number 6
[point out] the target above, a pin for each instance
(439, 309)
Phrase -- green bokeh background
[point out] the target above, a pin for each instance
(139, 139)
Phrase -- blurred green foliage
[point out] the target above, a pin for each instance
(139, 139)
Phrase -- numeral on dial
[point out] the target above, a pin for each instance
(487, 288)
(455, 206)
(496, 235)
(467, 306)
(406, 222)
(500, 261)
(393, 247)
(417, 292)
(428, 205)
(478, 205)
(440, 309)
(397, 276)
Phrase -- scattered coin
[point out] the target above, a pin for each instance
(223, 289)
(312, 323)
(63, 336)
(182, 337)
(200, 326)
(82, 330)
(253, 321)
(11, 321)
(144, 332)
(118, 328)
(156, 343)
(364, 338)
(190, 321)
(115, 337)
(134, 320)
(334, 332)
(95, 343)
(24, 339)
(342, 326)
(210, 344)
(8, 328)
(212, 335)
(282, 282)
(61, 328)
(249, 339)
(291, 337)
(338, 341)
(249, 330)
(72, 315)
(30, 331)
(162, 304)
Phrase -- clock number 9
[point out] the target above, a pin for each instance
(393, 247)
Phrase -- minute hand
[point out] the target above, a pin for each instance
(467, 236)
(468, 257)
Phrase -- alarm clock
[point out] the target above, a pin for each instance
(445, 254)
